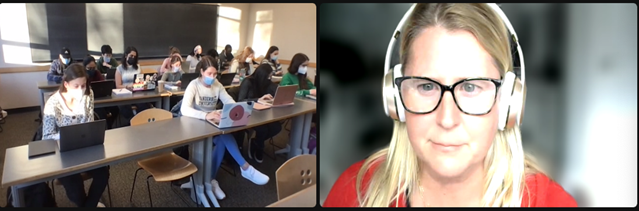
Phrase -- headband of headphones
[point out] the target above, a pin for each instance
(513, 82)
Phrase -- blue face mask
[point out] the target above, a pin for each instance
(107, 59)
(274, 58)
(66, 61)
(208, 80)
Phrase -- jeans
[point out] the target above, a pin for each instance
(264, 132)
(224, 143)
(74, 187)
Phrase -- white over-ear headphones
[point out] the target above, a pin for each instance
(513, 88)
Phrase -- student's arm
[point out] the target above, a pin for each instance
(165, 76)
(53, 74)
(165, 66)
(223, 95)
(99, 65)
(234, 65)
(50, 129)
(310, 84)
(118, 79)
(114, 63)
(90, 106)
(187, 108)
(287, 80)
(98, 76)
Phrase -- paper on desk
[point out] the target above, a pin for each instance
(121, 91)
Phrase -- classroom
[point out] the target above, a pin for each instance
(112, 105)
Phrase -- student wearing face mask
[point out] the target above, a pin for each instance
(297, 75)
(271, 59)
(59, 65)
(125, 77)
(73, 104)
(106, 61)
(91, 68)
(253, 88)
(166, 65)
(194, 57)
(243, 65)
(175, 73)
(226, 57)
(200, 101)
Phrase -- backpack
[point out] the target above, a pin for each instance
(38, 195)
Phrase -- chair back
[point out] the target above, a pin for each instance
(150, 115)
(295, 175)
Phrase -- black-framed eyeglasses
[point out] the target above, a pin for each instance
(422, 95)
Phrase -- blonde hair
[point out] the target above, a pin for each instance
(506, 164)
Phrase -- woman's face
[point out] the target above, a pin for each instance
(131, 55)
(177, 64)
(275, 53)
(78, 83)
(449, 57)
(91, 66)
(198, 51)
(210, 72)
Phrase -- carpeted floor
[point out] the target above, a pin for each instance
(20, 127)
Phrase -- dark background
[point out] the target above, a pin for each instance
(149, 27)
(581, 74)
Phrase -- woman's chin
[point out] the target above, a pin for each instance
(448, 167)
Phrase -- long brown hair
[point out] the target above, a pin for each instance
(75, 71)
(206, 62)
(245, 53)
(298, 59)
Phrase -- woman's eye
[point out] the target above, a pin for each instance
(427, 86)
(469, 87)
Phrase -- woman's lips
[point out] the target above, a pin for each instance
(446, 147)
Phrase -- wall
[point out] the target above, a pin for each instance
(245, 7)
(294, 30)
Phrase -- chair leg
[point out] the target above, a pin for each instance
(52, 189)
(109, 192)
(148, 188)
(135, 177)
(181, 197)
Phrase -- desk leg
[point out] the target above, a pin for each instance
(198, 160)
(166, 103)
(297, 131)
(306, 132)
(18, 196)
(158, 103)
(42, 102)
(208, 164)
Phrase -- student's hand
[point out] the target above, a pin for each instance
(178, 82)
(266, 97)
(106, 64)
(214, 116)
(313, 92)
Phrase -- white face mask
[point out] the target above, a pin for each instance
(176, 69)
(301, 70)
(248, 60)
(76, 93)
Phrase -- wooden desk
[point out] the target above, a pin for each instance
(303, 198)
(121, 144)
(137, 97)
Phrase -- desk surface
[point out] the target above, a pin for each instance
(276, 114)
(133, 96)
(119, 144)
(47, 85)
(303, 198)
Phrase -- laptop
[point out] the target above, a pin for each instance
(144, 82)
(102, 88)
(82, 135)
(234, 115)
(227, 78)
(110, 74)
(284, 96)
(187, 78)
(42, 147)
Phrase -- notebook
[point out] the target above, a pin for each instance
(42, 147)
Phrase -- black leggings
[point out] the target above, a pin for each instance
(264, 132)
(74, 186)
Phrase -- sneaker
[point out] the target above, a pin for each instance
(259, 155)
(254, 176)
(100, 204)
(217, 191)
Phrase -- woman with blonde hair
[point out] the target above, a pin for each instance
(458, 102)
(243, 64)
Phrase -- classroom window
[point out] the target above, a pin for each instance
(262, 32)
(228, 28)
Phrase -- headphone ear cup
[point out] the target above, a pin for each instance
(517, 104)
(389, 96)
(505, 94)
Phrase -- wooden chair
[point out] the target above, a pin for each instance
(296, 174)
(165, 167)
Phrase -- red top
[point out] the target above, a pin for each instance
(544, 192)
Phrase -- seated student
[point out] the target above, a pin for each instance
(73, 104)
(91, 68)
(106, 61)
(271, 59)
(194, 57)
(200, 100)
(213, 53)
(176, 71)
(255, 87)
(59, 65)
(297, 75)
(226, 57)
(166, 65)
(243, 65)
(124, 78)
